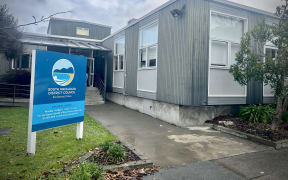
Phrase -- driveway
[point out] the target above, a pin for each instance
(165, 144)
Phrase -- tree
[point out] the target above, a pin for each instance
(256, 65)
(9, 38)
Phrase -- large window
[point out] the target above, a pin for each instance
(148, 46)
(119, 53)
(225, 36)
(21, 63)
(82, 31)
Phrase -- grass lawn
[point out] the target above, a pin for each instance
(54, 147)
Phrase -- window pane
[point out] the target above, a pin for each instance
(121, 59)
(25, 61)
(143, 57)
(271, 53)
(226, 28)
(115, 62)
(120, 46)
(82, 31)
(149, 36)
(235, 48)
(152, 56)
(219, 53)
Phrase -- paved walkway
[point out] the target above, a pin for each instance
(265, 165)
(167, 145)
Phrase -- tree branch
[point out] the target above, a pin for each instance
(43, 19)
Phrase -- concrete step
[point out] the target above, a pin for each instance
(93, 96)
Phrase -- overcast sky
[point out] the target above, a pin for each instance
(115, 13)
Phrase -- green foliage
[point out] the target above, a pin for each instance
(253, 64)
(106, 146)
(257, 114)
(9, 34)
(87, 171)
(114, 152)
(21, 77)
(55, 147)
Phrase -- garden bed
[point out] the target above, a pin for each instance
(259, 132)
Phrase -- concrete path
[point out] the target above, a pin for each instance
(167, 145)
(265, 165)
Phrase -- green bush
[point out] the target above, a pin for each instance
(116, 153)
(87, 171)
(257, 114)
(105, 147)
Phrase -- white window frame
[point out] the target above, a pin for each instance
(82, 29)
(118, 55)
(268, 47)
(13, 63)
(246, 25)
(229, 55)
(140, 47)
(118, 60)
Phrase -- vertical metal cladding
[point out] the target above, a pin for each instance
(131, 58)
(109, 43)
(68, 28)
(183, 54)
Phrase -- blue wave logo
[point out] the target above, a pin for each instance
(63, 72)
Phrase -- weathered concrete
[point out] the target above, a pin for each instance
(165, 144)
(196, 171)
(270, 165)
(264, 165)
(182, 116)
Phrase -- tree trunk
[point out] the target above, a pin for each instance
(282, 104)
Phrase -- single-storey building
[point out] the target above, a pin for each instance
(172, 63)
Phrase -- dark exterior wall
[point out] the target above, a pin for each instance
(131, 48)
(183, 54)
(4, 64)
(109, 43)
(68, 28)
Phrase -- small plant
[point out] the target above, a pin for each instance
(87, 171)
(105, 147)
(116, 153)
(257, 114)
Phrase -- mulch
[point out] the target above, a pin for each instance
(130, 174)
(100, 157)
(259, 129)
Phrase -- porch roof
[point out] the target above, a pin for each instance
(62, 41)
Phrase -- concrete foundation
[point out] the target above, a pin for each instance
(183, 116)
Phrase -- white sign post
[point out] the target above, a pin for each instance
(31, 141)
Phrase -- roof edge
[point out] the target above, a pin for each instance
(61, 37)
(80, 21)
(225, 2)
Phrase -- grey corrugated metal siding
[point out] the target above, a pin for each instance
(131, 48)
(254, 89)
(183, 54)
(108, 43)
(68, 28)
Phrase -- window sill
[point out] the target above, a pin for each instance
(219, 67)
(147, 68)
(118, 70)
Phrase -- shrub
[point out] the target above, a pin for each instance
(116, 153)
(257, 114)
(87, 171)
(105, 147)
